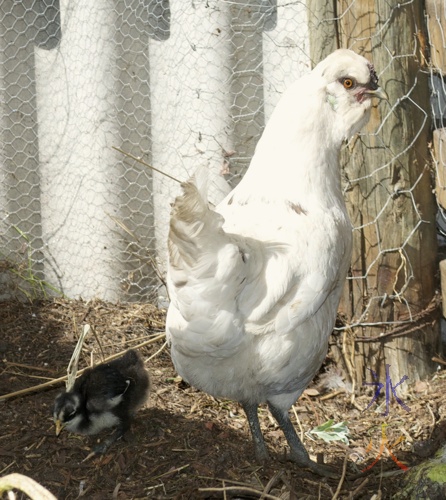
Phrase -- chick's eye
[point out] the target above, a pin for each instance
(348, 83)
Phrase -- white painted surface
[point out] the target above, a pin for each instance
(77, 128)
(184, 87)
(190, 79)
(286, 51)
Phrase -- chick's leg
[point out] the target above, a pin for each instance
(105, 445)
(101, 448)
(299, 454)
(261, 453)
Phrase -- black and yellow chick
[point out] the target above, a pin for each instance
(104, 396)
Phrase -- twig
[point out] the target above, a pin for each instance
(74, 361)
(137, 339)
(350, 361)
(57, 381)
(153, 264)
(420, 320)
(316, 414)
(99, 342)
(30, 367)
(243, 489)
(116, 490)
(318, 484)
(171, 471)
(87, 312)
(18, 374)
(434, 421)
(438, 360)
(35, 388)
(271, 484)
(299, 424)
(396, 332)
(341, 481)
(232, 481)
(332, 394)
(145, 164)
(7, 467)
(156, 353)
(359, 488)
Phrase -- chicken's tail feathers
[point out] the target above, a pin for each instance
(193, 224)
(192, 205)
(201, 180)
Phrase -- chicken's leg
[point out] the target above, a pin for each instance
(299, 454)
(261, 453)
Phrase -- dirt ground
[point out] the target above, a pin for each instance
(183, 443)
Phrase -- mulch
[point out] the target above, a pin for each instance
(185, 444)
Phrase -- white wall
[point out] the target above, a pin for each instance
(190, 81)
(195, 90)
(78, 167)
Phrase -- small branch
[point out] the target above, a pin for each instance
(299, 424)
(145, 164)
(396, 332)
(419, 321)
(157, 352)
(29, 367)
(74, 361)
(332, 394)
(171, 471)
(438, 360)
(57, 381)
(240, 489)
(341, 481)
(359, 488)
(18, 374)
(271, 483)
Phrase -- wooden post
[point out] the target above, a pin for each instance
(390, 199)
(443, 285)
(389, 195)
(322, 29)
(439, 152)
(436, 22)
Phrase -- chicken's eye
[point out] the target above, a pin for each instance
(348, 83)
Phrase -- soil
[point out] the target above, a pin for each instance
(185, 444)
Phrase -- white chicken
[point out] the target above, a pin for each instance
(255, 282)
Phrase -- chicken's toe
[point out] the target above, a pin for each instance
(320, 469)
(299, 454)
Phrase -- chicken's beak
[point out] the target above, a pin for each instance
(59, 427)
(380, 93)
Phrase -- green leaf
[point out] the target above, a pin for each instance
(332, 432)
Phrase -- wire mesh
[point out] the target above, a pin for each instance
(177, 84)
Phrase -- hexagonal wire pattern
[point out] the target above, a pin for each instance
(176, 84)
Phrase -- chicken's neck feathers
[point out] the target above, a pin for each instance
(294, 138)
(281, 177)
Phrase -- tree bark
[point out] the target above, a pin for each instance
(387, 302)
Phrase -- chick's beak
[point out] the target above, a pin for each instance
(380, 93)
(59, 427)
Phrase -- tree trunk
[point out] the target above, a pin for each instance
(388, 300)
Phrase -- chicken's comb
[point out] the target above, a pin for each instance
(373, 77)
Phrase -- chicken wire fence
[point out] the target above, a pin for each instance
(89, 88)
